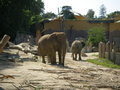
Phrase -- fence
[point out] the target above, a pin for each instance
(110, 51)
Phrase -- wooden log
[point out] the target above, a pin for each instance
(3, 42)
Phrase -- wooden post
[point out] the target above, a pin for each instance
(3, 42)
(111, 46)
(117, 60)
(114, 52)
(101, 50)
(107, 53)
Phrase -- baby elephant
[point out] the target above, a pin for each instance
(76, 49)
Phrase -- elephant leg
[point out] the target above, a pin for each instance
(63, 59)
(79, 56)
(64, 53)
(59, 55)
(43, 59)
(52, 56)
(75, 56)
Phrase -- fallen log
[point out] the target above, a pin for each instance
(3, 42)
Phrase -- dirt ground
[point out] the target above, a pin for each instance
(30, 74)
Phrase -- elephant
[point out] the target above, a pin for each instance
(49, 44)
(76, 48)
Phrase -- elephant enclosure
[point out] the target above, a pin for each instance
(76, 75)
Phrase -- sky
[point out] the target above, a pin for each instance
(82, 6)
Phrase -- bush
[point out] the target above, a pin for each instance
(95, 35)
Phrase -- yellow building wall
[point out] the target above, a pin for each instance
(82, 25)
(114, 26)
(114, 32)
(113, 29)
(53, 25)
(117, 18)
(75, 24)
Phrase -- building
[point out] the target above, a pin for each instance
(80, 26)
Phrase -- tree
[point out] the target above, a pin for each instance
(113, 14)
(66, 12)
(95, 35)
(49, 15)
(90, 14)
(15, 15)
(102, 11)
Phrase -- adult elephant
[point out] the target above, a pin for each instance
(49, 44)
(76, 48)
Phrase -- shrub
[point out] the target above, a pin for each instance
(95, 35)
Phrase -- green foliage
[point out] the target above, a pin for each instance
(36, 18)
(113, 14)
(66, 12)
(95, 35)
(104, 62)
(16, 15)
(49, 15)
(102, 11)
(90, 14)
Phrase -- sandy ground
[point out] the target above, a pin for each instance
(75, 75)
